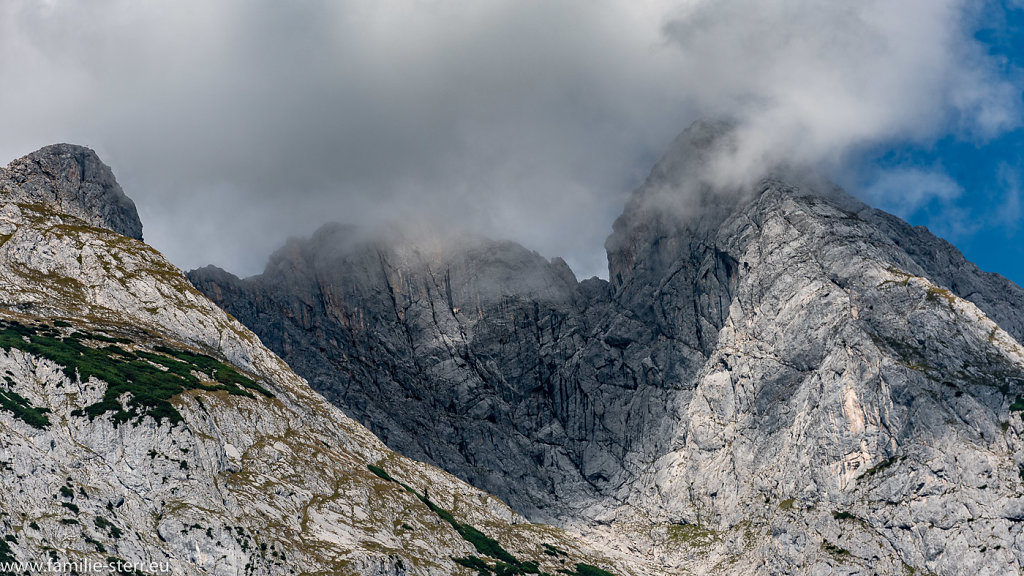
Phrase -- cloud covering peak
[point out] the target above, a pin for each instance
(235, 124)
(811, 82)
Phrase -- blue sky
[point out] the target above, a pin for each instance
(978, 208)
(971, 188)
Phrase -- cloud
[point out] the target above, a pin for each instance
(906, 191)
(931, 197)
(813, 82)
(235, 124)
(980, 213)
(1008, 207)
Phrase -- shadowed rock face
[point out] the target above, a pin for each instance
(462, 357)
(74, 181)
(762, 357)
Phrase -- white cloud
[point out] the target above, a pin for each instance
(812, 81)
(931, 197)
(906, 191)
(1009, 208)
(234, 124)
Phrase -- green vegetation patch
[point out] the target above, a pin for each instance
(588, 570)
(503, 569)
(107, 526)
(904, 278)
(381, 473)
(552, 550)
(22, 408)
(1018, 405)
(6, 554)
(691, 535)
(474, 563)
(148, 380)
(880, 467)
(483, 543)
(934, 293)
(6, 558)
(505, 563)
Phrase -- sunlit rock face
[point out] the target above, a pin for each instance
(775, 379)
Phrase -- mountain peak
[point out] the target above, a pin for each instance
(694, 149)
(769, 357)
(76, 182)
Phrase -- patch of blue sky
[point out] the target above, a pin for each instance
(966, 188)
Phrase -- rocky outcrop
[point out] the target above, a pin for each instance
(143, 430)
(777, 379)
(74, 181)
(999, 298)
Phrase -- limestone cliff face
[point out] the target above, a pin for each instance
(74, 181)
(143, 428)
(777, 379)
(397, 336)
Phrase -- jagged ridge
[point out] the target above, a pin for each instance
(793, 378)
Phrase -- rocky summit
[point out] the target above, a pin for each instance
(776, 379)
(74, 181)
(145, 431)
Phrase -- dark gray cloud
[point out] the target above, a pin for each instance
(235, 124)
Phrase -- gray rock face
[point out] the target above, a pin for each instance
(778, 379)
(999, 298)
(141, 426)
(417, 343)
(74, 181)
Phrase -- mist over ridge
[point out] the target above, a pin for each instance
(525, 121)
